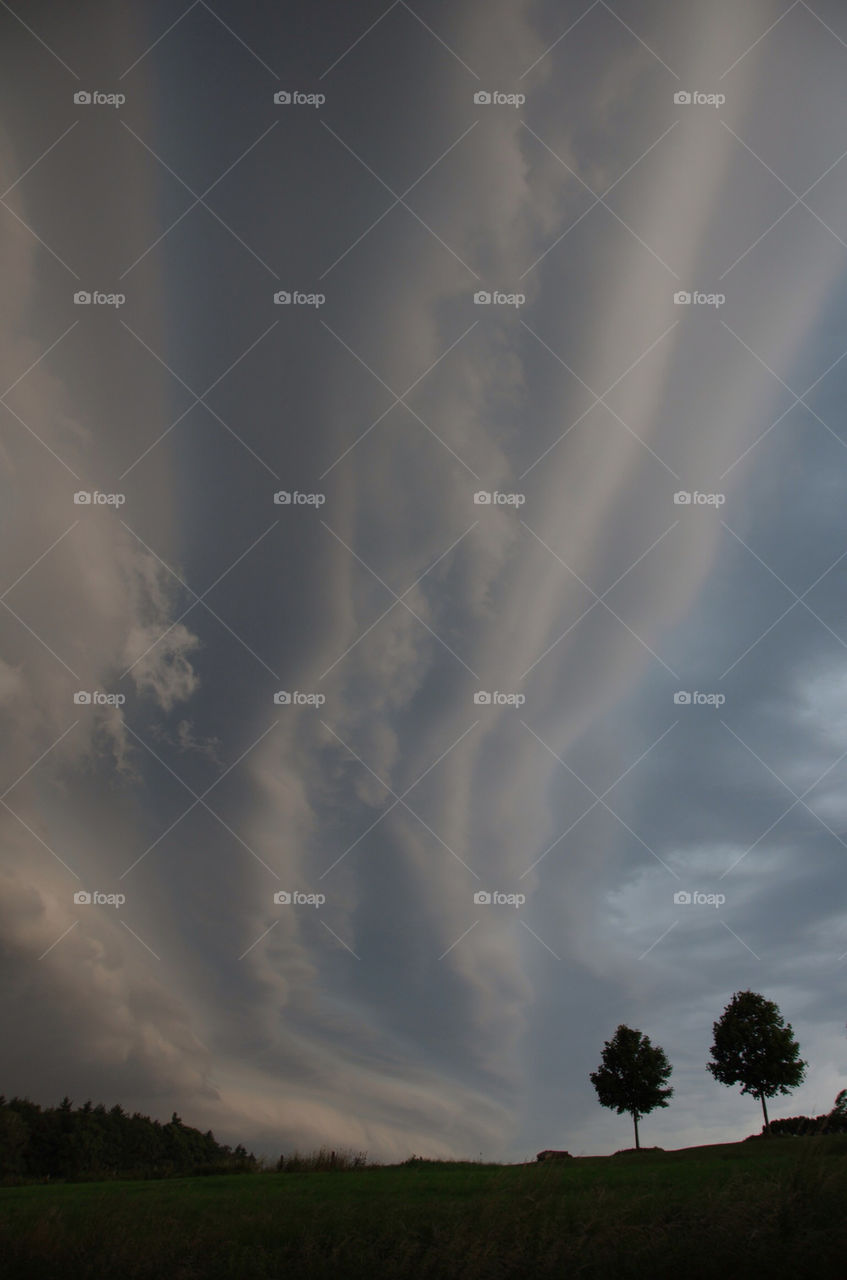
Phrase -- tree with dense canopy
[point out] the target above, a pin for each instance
(632, 1076)
(755, 1047)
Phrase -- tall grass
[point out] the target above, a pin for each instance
(341, 1160)
(770, 1210)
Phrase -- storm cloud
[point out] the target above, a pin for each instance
(460, 403)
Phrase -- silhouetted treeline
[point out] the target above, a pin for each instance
(92, 1143)
(803, 1126)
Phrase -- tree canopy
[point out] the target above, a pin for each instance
(91, 1142)
(755, 1048)
(632, 1076)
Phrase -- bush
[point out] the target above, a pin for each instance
(805, 1126)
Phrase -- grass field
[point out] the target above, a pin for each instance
(769, 1208)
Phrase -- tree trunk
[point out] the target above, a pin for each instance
(765, 1111)
(635, 1122)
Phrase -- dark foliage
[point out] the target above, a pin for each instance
(632, 1076)
(755, 1047)
(91, 1143)
(805, 1126)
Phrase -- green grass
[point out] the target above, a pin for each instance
(770, 1208)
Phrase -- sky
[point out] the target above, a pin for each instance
(455, 397)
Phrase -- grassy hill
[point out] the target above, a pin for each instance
(769, 1207)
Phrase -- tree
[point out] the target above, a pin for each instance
(755, 1047)
(632, 1076)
